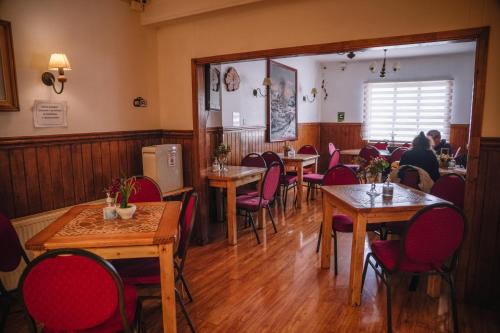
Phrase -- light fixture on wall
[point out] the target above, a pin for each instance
(305, 98)
(266, 83)
(323, 87)
(395, 66)
(58, 62)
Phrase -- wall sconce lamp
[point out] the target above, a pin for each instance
(58, 62)
(314, 91)
(266, 83)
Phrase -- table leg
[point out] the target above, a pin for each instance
(434, 285)
(231, 214)
(357, 257)
(326, 236)
(261, 218)
(300, 179)
(167, 288)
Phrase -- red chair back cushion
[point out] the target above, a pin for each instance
(381, 145)
(307, 149)
(368, 153)
(331, 148)
(434, 235)
(10, 247)
(450, 187)
(270, 157)
(147, 191)
(271, 181)
(70, 292)
(340, 175)
(334, 159)
(397, 153)
(187, 225)
(253, 160)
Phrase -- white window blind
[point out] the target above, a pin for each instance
(398, 111)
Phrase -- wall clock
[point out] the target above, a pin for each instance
(232, 79)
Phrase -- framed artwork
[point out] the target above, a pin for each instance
(8, 86)
(281, 103)
(213, 91)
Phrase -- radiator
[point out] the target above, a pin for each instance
(27, 227)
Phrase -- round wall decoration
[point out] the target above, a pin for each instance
(232, 79)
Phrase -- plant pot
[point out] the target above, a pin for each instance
(126, 213)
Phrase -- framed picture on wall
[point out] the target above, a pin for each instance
(8, 85)
(281, 102)
(213, 91)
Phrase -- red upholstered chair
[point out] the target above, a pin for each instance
(72, 290)
(251, 160)
(146, 271)
(147, 190)
(450, 187)
(409, 176)
(251, 204)
(331, 148)
(406, 145)
(429, 246)
(396, 154)
(367, 153)
(287, 181)
(316, 179)
(308, 150)
(340, 175)
(381, 145)
(11, 253)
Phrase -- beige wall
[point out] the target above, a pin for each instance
(112, 55)
(282, 23)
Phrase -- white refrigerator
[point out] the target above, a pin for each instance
(163, 163)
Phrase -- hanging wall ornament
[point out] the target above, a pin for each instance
(232, 79)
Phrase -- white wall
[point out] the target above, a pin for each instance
(114, 60)
(345, 88)
(253, 109)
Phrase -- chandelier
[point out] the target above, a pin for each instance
(373, 66)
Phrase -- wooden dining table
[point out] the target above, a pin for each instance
(459, 171)
(298, 162)
(230, 179)
(353, 201)
(355, 152)
(151, 232)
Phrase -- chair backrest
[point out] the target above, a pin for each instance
(340, 175)
(381, 145)
(368, 153)
(397, 153)
(409, 176)
(270, 157)
(334, 159)
(147, 190)
(308, 149)
(450, 187)
(11, 250)
(434, 234)
(72, 289)
(331, 148)
(253, 160)
(406, 145)
(271, 181)
(188, 218)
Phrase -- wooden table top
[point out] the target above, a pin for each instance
(234, 172)
(298, 157)
(404, 197)
(355, 152)
(84, 227)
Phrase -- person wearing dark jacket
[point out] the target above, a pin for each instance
(438, 143)
(421, 155)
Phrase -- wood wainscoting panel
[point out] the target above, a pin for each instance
(342, 135)
(459, 136)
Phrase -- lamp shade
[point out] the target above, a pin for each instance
(314, 91)
(59, 60)
(267, 81)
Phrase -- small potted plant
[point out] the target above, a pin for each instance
(125, 187)
(221, 153)
(375, 168)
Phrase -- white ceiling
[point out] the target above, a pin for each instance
(401, 51)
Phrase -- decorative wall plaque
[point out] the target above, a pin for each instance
(50, 114)
(232, 79)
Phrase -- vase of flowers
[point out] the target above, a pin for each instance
(444, 159)
(221, 152)
(125, 187)
(375, 168)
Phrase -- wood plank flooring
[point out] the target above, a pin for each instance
(278, 287)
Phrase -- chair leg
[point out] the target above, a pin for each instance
(286, 196)
(308, 191)
(389, 303)
(365, 269)
(254, 229)
(454, 310)
(184, 283)
(272, 218)
(183, 309)
(414, 283)
(5, 312)
(319, 236)
(138, 315)
(334, 234)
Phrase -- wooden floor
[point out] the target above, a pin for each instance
(278, 287)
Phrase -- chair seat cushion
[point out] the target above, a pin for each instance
(387, 251)
(314, 178)
(250, 202)
(288, 180)
(142, 271)
(307, 170)
(247, 190)
(114, 323)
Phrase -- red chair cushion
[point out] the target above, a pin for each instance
(342, 223)
(250, 203)
(144, 271)
(315, 178)
(307, 170)
(387, 252)
(247, 190)
(288, 180)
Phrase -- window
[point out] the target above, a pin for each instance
(398, 111)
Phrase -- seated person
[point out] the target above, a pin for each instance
(437, 143)
(421, 155)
